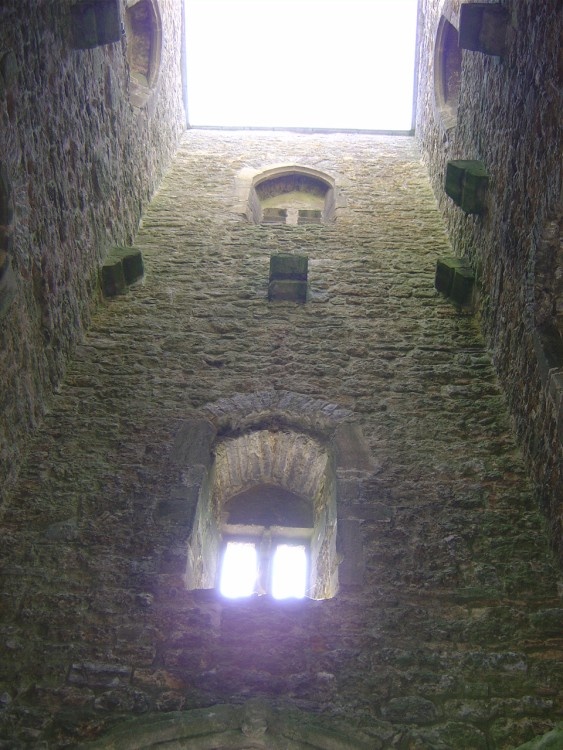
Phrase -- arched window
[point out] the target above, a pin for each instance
(143, 28)
(292, 195)
(447, 73)
(269, 504)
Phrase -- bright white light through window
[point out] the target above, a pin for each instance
(239, 570)
(301, 63)
(289, 572)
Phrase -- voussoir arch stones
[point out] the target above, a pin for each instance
(328, 423)
(251, 726)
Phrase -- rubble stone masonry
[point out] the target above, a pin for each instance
(450, 635)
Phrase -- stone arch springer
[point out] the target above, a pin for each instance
(289, 441)
(320, 191)
(255, 724)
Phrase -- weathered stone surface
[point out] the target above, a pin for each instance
(67, 132)
(509, 119)
(452, 627)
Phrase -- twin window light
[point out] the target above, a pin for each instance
(253, 567)
(267, 534)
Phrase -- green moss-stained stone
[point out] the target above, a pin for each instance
(286, 266)
(132, 259)
(113, 278)
(466, 184)
(445, 270)
(462, 286)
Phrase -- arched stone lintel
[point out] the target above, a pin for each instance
(243, 412)
(255, 724)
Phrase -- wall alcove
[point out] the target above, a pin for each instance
(143, 28)
(447, 73)
(291, 194)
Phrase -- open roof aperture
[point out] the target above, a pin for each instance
(337, 64)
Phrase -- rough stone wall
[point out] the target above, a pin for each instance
(452, 639)
(509, 118)
(81, 163)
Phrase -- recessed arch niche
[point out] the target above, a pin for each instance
(292, 194)
(143, 28)
(447, 72)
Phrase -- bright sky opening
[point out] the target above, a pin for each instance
(239, 570)
(289, 573)
(301, 63)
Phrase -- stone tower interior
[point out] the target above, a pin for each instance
(353, 340)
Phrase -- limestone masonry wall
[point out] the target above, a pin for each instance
(450, 638)
(78, 163)
(509, 118)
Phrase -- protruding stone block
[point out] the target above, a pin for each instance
(466, 184)
(445, 270)
(483, 27)
(455, 279)
(123, 266)
(288, 277)
(132, 259)
(95, 22)
(113, 278)
(462, 286)
(286, 266)
(287, 290)
(8, 284)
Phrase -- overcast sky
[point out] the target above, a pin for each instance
(301, 63)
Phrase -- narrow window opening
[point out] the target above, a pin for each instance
(289, 571)
(264, 566)
(239, 570)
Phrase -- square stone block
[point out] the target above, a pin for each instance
(286, 266)
(113, 278)
(483, 27)
(445, 270)
(466, 184)
(132, 259)
(462, 286)
(8, 286)
(455, 279)
(95, 22)
(287, 290)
